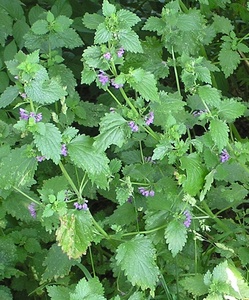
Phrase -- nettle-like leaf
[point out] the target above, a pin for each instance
(130, 40)
(56, 292)
(76, 232)
(208, 183)
(108, 9)
(113, 130)
(229, 60)
(6, 26)
(5, 293)
(92, 21)
(8, 96)
(175, 236)
(230, 110)
(88, 290)
(53, 268)
(49, 141)
(219, 133)
(144, 83)
(195, 285)
(209, 95)
(195, 173)
(137, 259)
(127, 18)
(17, 169)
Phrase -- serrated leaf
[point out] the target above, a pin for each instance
(85, 156)
(75, 233)
(219, 133)
(113, 130)
(195, 285)
(92, 21)
(102, 34)
(108, 9)
(208, 183)
(155, 24)
(145, 84)
(88, 75)
(88, 290)
(49, 143)
(6, 26)
(209, 95)
(230, 109)
(17, 169)
(8, 96)
(40, 27)
(123, 194)
(129, 40)
(56, 292)
(127, 18)
(137, 259)
(229, 61)
(53, 268)
(175, 236)
(5, 293)
(195, 173)
(68, 38)
(222, 24)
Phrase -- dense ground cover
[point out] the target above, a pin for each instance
(124, 150)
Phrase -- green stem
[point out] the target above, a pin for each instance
(70, 181)
(27, 196)
(176, 73)
(128, 101)
(114, 97)
(100, 229)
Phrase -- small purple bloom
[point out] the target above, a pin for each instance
(103, 78)
(149, 118)
(84, 206)
(120, 52)
(38, 117)
(23, 95)
(64, 150)
(80, 206)
(133, 126)
(23, 114)
(146, 192)
(224, 156)
(116, 85)
(107, 55)
(40, 158)
(129, 199)
(32, 210)
(188, 218)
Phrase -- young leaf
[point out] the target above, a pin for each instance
(9, 95)
(127, 18)
(88, 290)
(102, 34)
(155, 24)
(219, 133)
(49, 142)
(113, 130)
(195, 173)
(208, 183)
(176, 236)
(145, 84)
(75, 233)
(137, 259)
(108, 9)
(229, 60)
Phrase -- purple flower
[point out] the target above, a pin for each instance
(23, 95)
(38, 117)
(103, 78)
(188, 218)
(23, 114)
(116, 85)
(133, 126)
(120, 52)
(145, 192)
(107, 55)
(81, 206)
(64, 150)
(40, 158)
(149, 118)
(32, 210)
(224, 156)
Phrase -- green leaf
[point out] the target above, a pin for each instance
(127, 18)
(195, 173)
(123, 194)
(53, 269)
(49, 142)
(17, 169)
(129, 40)
(229, 61)
(14, 8)
(40, 27)
(5, 26)
(68, 38)
(88, 75)
(230, 109)
(20, 28)
(208, 183)
(113, 130)
(44, 90)
(222, 24)
(88, 290)
(145, 84)
(102, 34)
(56, 292)
(211, 96)
(219, 133)
(92, 21)
(175, 236)
(85, 156)
(5, 293)
(155, 24)
(75, 233)
(108, 9)
(8, 96)
(137, 259)
(195, 285)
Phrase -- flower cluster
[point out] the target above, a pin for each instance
(188, 218)
(24, 115)
(149, 118)
(81, 206)
(40, 158)
(133, 126)
(32, 210)
(103, 78)
(145, 192)
(224, 156)
(120, 52)
(64, 150)
(107, 55)
(116, 85)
